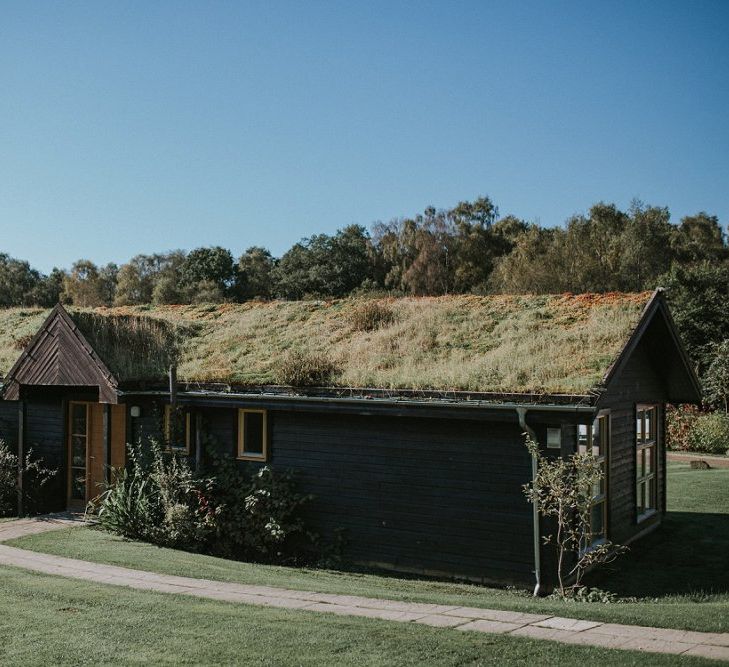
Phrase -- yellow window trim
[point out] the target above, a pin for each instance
(242, 454)
(168, 432)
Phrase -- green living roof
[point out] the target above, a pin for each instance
(510, 344)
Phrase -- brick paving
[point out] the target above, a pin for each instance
(465, 619)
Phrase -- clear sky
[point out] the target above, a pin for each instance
(146, 126)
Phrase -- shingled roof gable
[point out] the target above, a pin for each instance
(59, 355)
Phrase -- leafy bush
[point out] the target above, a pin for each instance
(563, 491)
(680, 421)
(35, 477)
(232, 513)
(156, 498)
(257, 516)
(710, 433)
(306, 369)
(371, 315)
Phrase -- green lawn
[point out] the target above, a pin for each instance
(46, 620)
(680, 573)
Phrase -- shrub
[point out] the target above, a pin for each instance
(306, 369)
(233, 513)
(710, 433)
(563, 490)
(35, 477)
(371, 315)
(258, 516)
(680, 421)
(156, 498)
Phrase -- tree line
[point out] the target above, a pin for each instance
(465, 249)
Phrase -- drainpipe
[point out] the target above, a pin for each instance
(173, 388)
(21, 454)
(521, 413)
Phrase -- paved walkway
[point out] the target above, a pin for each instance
(464, 619)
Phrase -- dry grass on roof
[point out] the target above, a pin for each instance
(551, 343)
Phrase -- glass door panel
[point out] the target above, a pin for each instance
(78, 450)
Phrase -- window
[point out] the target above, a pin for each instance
(554, 438)
(252, 435)
(646, 447)
(78, 436)
(595, 440)
(177, 429)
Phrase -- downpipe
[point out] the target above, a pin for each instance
(538, 590)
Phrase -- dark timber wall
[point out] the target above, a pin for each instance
(638, 382)
(434, 496)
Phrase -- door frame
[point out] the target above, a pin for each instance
(75, 503)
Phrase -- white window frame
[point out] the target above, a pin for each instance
(602, 457)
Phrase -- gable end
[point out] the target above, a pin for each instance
(59, 355)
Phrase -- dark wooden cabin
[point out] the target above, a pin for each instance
(414, 451)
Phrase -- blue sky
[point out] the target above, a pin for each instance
(139, 127)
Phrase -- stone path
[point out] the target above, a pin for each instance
(464, 619)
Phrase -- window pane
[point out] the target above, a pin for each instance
(651, 494)
(639, 463)
(639, 426)
(649, 460)
(78, 451)
(650, 425)
(78, 484)
(78, 419)
(597, 521)
(253, 432)
(554, 438)
(582, 438)
(639, 497)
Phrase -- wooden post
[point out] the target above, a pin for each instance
(198, 440)
(173, 388)
(21, 453)
(106, 430)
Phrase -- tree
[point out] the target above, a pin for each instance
(107, 277)
(17, 282)
(646, 247)
(47, 292)
(698, 296)
(325, 265)
(700, 238)
(213, 265)
(563, 490)
(84, 285)
(254, 276)
(137, 278)
(716, 379)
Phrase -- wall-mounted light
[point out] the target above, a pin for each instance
(135, 411)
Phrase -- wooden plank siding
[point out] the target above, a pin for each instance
(118, 435)
(638, 382)
(431, 496)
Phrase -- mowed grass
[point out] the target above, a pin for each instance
(539, 343)
(47, 620)
(680, 573)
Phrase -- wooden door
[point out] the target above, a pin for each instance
(86, 453)
(78, 454)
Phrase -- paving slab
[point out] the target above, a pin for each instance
(494, 627)
(713, 652)
(442, 621)
(559, 623)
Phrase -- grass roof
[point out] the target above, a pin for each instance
(541, 344)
